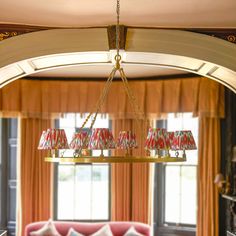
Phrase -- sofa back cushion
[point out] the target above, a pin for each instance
(118, 228)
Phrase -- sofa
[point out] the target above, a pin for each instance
(118, 228)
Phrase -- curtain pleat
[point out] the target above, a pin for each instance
(35, 175)
(121, 191)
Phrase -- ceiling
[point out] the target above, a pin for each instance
(141, 13)
(213, 14)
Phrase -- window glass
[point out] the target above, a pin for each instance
(83, 189)
(181, 178)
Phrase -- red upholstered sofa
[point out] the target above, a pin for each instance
(118, 228)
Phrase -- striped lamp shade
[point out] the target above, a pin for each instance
(53, 139)
(79, 140)
(126, 140)
(101, 139)
(183, 140)
(157, 139)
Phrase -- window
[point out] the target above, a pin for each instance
(8, 173)
(82, 189)
(176, 183)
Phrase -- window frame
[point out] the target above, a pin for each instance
(8, 174)
(55, 188)
(162, 228)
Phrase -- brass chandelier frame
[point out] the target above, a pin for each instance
(114, 159)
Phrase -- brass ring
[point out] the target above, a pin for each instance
(117, 57)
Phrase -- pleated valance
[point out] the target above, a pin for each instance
(45, 98)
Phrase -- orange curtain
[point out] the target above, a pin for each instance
(211, 100)
(35, 175)
(131, 183)
(208, 167)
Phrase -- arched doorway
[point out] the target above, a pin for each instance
(200, 54)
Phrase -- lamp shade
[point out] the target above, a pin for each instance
(53, 139)
(157, 139)
(101, 139)
(171, 137)
(79, 140)
(183, 140)
(126, 140)
(42, 141)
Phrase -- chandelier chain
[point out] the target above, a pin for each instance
(139, 114)
(118, 27)
(131, 96)
(102, 97)
(97, 108)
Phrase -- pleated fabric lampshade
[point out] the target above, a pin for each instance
(183, 140)
(79, 140)
(127, 140)
(53, 139)
(158, 139)
(101, 139)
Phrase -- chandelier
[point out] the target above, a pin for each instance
(83, 142)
